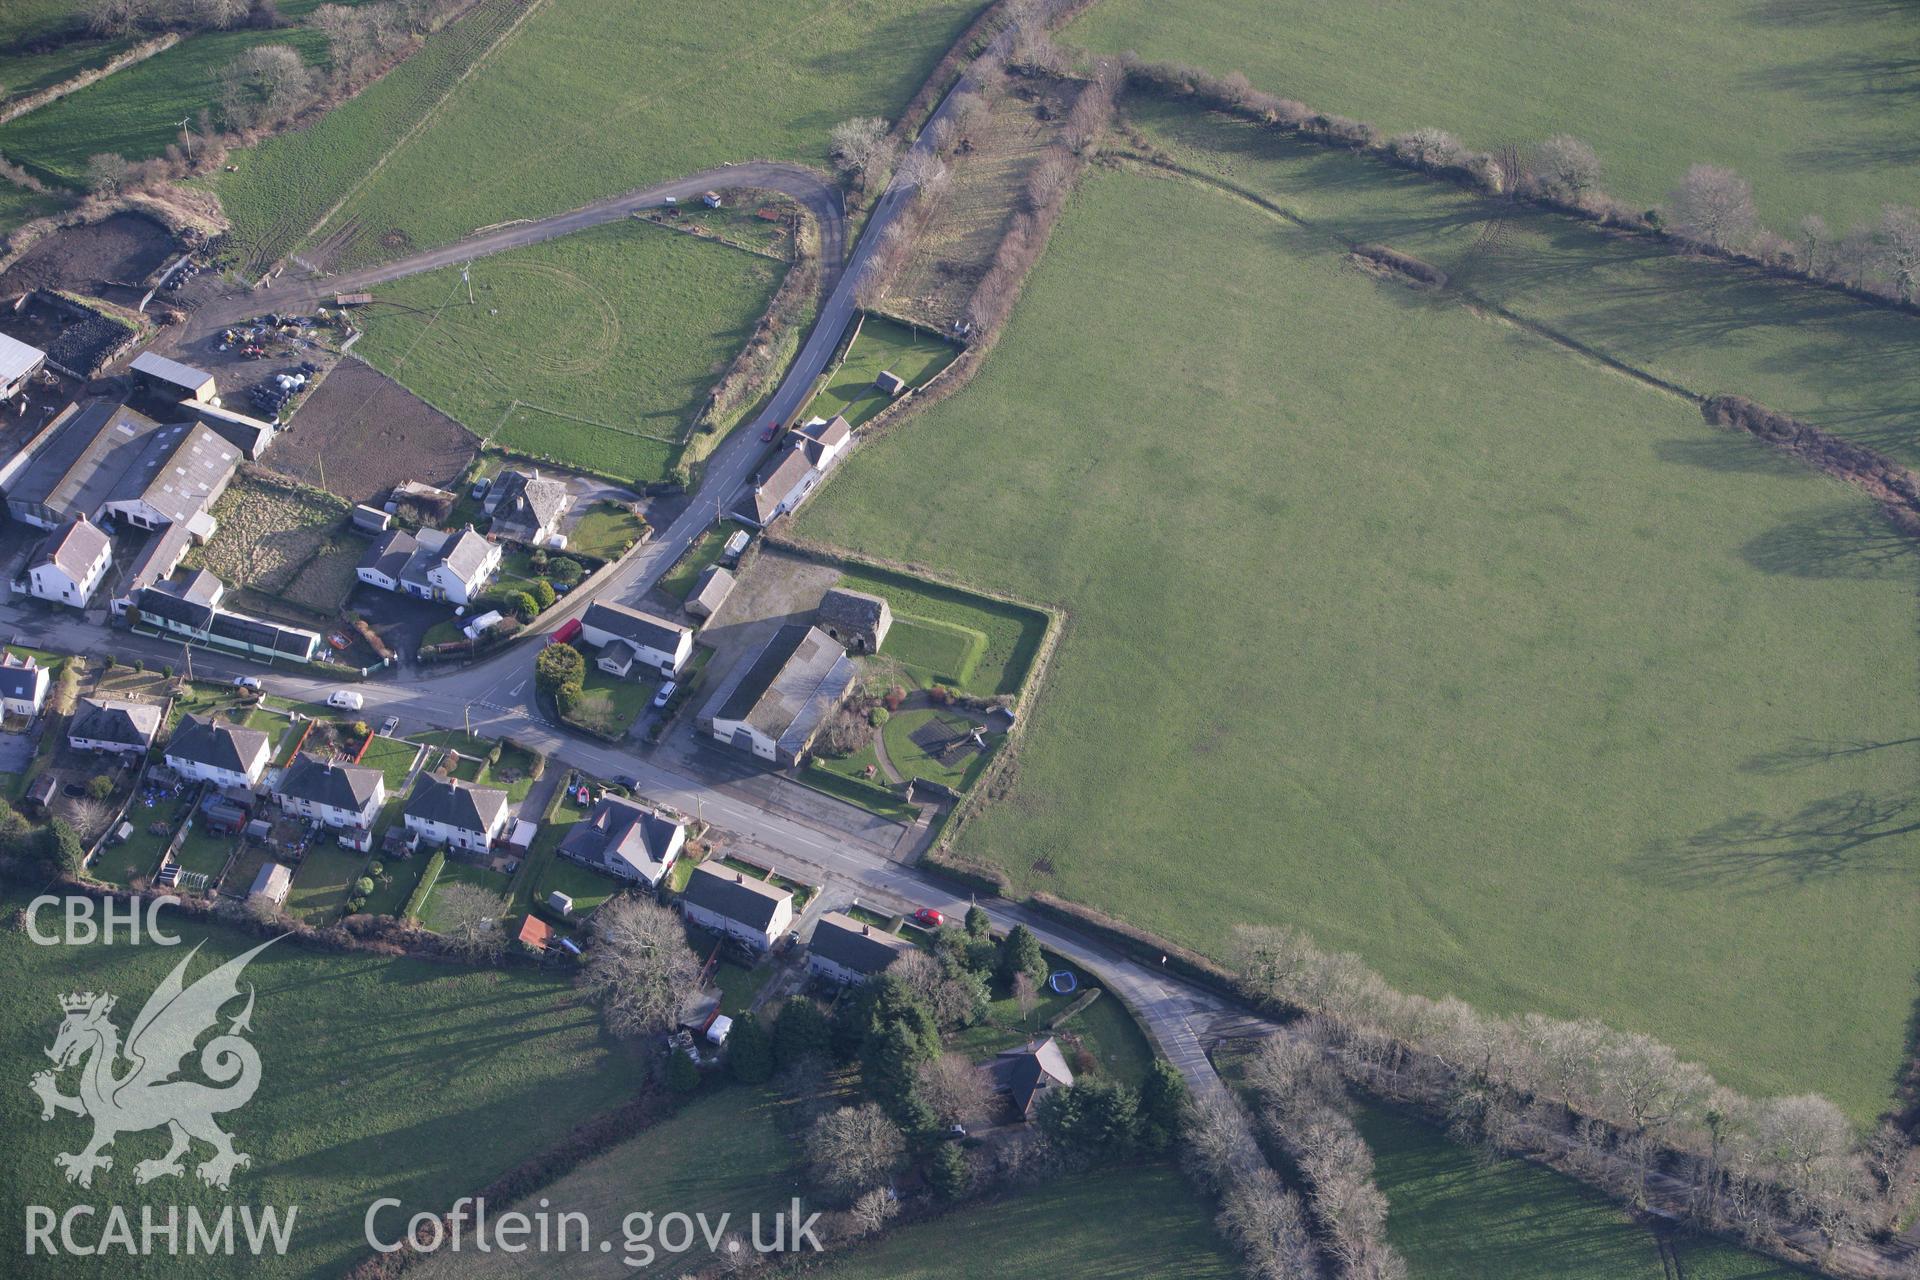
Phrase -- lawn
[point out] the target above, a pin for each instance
(594, 351)
(605, 531)
(395, 884)
(610, 704)
(1458, 1216)
(1654, 88)
(588, 888)
(706, 550)
(205, 851)
(943, 636)
(324, 880)
(1104, 1028)
(724, 1152)
(913, 760)
(354, 1104)
(1139, 1221)
(683, 86)
(1422, 629)
(914, 355)
(140, 855)
(18, 207)
(458, 872)
(737, 986)
(393, 758)
(136, 112)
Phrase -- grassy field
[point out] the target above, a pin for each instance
(18, 207)
(913, 355)
(136, 112)
(1424, 630)
(394, 758)
(595, 350)
(1653, 87)
(724, 1152)
(940, 635)
(355, 1102)
(1141, 1221)
(1458, 1216)
(684, 86)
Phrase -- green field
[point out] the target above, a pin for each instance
(359, 1057)
(1426, 631)
(18, 207)
(913, 761)
(943, 636)
(1458, 1216)
(1808, 101)
(136, 112)
(682, 86)
(595, 350)
(914, 355)
(1141, 1221)
(724, 1152)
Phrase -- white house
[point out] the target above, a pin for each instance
(214, 751)
(625, 636)
(738, 905)
(432, 564)
(386, 559)
(780, 490)
(456, 814)
(109, 724)
(848, 951)
(626, 840)
(823, 441)
(23, 685)
(461, 567)
(772, 707)
(339, 795)
(70, 563)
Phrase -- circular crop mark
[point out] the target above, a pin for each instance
(567, 327)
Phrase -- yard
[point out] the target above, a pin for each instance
(284, 541)
(913, 355)
(458, 872)
(588, 888)
(593, 351)
(922, 744)
(1654, 89)
(356, 1052)
(1425, 628)
(394, 758)
(605, 531)
(323, 880)
(610, 704)
(1104, 1028)
(980, 646)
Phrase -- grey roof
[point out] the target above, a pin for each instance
(735, 895)
(800, 676)
(250, 435)
(710, 591)
(616, 656)
(1026, 1071)
(860, 610)
(17, 358)
(82, 461)
(158, 557)
(344, 786)
(178, 471)
(631, 624)
(455, 803)
(531, 502)
(158, 366)
(890, 382)
(273, 881)
(772, 490)
(620, 831)
(463, 553)
(112, 720)
(19, 681)
(818, 435)
(264, 635)
(191, 614)
(859, 947)
(74, 548)
(200, 586)
(390, 552)
(216, 744)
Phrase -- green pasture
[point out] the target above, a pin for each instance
(1458, 650)
(909, 353)
(942, 635)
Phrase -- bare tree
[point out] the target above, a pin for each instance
(956, 1089)
(871, 1210)
(268, 82)
(107, 173)
(1269, 1224)
(1026, 995)
(861, 147)
(1429, 148)
(1897, 248)
(114, 17)
(1567, 167)
(948, 995)
(640, 965)
(1713, 205)
(1813, 237)
(219, 14)
(922, 170)
(470, 920)
(854, 1149)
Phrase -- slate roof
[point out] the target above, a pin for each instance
(819, 435)
(711, 590)
(454, 803)
(164, 604)
(620, 831)
(343, 786)
(112, 720)
(74, 548)
(390, 552)
(798, 678)
(19, 680)
(1027, 1071)
(532, 502)
(264, 635)
(16, 358)
(643, 629)
(773, 490)
(735, 895)
(464, 553)
(854, 610)
(180, 375)
(859, 947)
(216, 744)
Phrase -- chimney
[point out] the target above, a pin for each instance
(866, 931)
(738, 878)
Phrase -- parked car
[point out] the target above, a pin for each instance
(771, 434)
(388, 725)
(246, 682)
(349, 699)
(628, 783)
(665, 695)
(928, 917)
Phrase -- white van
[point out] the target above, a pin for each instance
(349, 699)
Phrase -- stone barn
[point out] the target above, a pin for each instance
(856, 619)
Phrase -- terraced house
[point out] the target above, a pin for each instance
(115, 725)
(737, 905)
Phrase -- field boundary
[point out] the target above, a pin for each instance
(73, 84)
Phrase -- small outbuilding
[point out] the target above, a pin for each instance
(172, 380)
(891, 383)
(709, 592)
(273, 882)
(371, 519)
(18, 363)
(859, 620)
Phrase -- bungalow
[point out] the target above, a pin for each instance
(847, 951)
(527, 507)
(214, 751)
(737, 905)
(780, 490)
(773, 706)
(457, 814)
(190, 608)
(109, 724)
(626, 635)
(626, 840)
(272, 884)
(433, 565)
(857, 619)
(23, 685)
(1026, 1073)
(822, 441)
(18, 363)
(172, 380)
(339, 795)
(710, 591)
(70, 563)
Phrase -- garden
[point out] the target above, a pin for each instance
(913, 355)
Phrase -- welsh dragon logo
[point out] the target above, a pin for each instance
(145, 1094)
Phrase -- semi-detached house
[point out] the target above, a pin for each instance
(217, 752)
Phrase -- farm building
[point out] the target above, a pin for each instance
(1024, 1074)
(891, 383)
(23, 685)
(735, 904)
(250, 436)
(434, 564)
(340, 795)
(371, 519)
(18, 363)
(625, 636)
(822, 441)
(214, 751)
(626, 840)
(272, 883)
(773, 706)
(69, 564)
(527, 507)
(857, 619)
(190, 608)
(709, 592)
(457, 814)
(781, 490)
(110, 724)
(171, 380)
(108, 460)
(848, 951)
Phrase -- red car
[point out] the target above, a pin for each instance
(929, 918)
(771, 434)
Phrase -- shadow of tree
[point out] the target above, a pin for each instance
(1851, 832)
(1804, 753)
(1853, 541)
